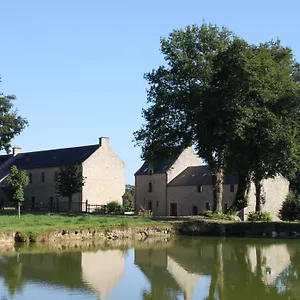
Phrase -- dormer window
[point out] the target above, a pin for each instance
(150, 171)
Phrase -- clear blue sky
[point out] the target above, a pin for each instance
(77, 66)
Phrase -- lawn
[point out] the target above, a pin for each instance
(41, 223)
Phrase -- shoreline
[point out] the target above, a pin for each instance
(162, 230)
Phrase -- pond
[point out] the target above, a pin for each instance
(184, 268)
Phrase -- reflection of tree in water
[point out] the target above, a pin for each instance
(13, 277)
(288, 283)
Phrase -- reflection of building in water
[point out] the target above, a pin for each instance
(102, 270)
(274, 260)
(187, 281)
(166, 276)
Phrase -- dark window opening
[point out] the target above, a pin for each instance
(43, 176)
(150, 172)
(30, 177)
(157, 203)
(200, 188)
(150, 205)
(150, 187)
(207, 206)
(231, 188)
(55, 176)
(32, 202)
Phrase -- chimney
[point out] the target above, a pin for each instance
(103, 141)
(16, 150)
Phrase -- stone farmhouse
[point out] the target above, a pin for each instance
(100, 165)
(181, 186)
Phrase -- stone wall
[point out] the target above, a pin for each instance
(105, 173)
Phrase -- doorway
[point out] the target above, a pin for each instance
(173, 209)
(195, 210)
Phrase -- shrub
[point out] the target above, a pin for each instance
(259, 217)
(145, 213)
(114, 208)
(213, 215)
(290, 210)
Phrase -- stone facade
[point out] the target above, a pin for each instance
(105, 173)
(151, 188)
(191, 200)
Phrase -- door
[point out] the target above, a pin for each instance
(173, 209)
(32, 202)
(195, 210)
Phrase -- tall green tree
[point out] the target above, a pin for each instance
(175, 118)
(17, 180)
(129, 197)
(69, 181)
(256, 89)
(11, 123)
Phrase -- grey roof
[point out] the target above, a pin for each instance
(159, 167)
(48, 158)
(198, 175)
(4, 158)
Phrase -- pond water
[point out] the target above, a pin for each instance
(186, 268)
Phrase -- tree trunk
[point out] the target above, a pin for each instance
(70, 204)
(258, 187)
(19, 209)
(220, 269)
(217, 181)
(240, 200)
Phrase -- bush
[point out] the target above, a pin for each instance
(259, 217)
(114, 208)
(145, 213)
(213, 215)
(290, 210)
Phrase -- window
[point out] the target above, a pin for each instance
(200, 188)
(30, 177)
(150, 205)
(207, 206)
(150, 187)
(157, 203)
(225, 207)
(231, 188)
(55, 176)
(43, 176)
(150, 171)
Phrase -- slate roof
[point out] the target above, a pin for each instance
(4, 158)
(198, 175)
(160, 167)
(48, 158)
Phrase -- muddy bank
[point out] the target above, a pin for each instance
(66, 236)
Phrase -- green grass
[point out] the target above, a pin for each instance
(43, 223)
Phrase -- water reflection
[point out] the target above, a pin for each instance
(188, 268)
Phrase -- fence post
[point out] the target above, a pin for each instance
(86, 206)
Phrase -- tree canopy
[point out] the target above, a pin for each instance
(69, 181)
(238, 104)
(11, 123)
(17, 180)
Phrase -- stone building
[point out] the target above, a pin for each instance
(182, 186)
(100, 165)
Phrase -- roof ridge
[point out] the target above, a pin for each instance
(55, 149)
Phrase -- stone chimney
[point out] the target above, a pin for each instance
(16, 150)
(104, 141)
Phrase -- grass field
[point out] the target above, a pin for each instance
(42, 223)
